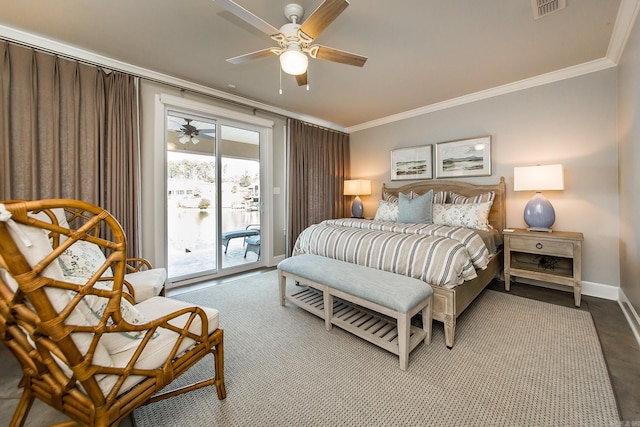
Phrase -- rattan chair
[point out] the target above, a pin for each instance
(84, 347)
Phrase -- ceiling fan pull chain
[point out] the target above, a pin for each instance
(280, 80)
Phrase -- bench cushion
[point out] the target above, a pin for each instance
(400, 293)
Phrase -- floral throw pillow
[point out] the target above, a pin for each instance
(93, 307)
(387, 211)
(83, 259)
(469, 215)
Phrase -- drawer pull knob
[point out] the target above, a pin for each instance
(539, 245)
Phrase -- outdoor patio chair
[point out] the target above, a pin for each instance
(253, 245)
(249, 230)
(85, 348)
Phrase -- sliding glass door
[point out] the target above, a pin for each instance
(213, 197)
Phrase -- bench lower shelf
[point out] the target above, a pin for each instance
(371, 326)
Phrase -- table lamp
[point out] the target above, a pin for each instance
(539, 213)
(357, 187)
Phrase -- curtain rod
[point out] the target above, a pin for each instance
(51, 47)
(140, 76)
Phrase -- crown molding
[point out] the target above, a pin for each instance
(626, 18)
(543, 79)
(627, 15)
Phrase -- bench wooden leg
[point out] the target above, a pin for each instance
(283, 283)
(328, 308)
(404, 323)
(427, 320)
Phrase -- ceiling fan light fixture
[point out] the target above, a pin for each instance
(184, 139)
(195, 140)
(293, 61)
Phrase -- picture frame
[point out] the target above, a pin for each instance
(464, 157)
(411, 163)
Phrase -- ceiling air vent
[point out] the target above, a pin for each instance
(546, 7)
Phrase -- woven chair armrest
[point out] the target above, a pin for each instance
(137, 264)
(163, 322)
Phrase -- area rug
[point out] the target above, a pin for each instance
(515, 362)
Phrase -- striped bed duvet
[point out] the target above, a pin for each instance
(439, 255)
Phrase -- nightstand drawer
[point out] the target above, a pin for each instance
(541, 246)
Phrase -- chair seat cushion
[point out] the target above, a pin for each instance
(254, 240)
(157, 350)
(147, 283)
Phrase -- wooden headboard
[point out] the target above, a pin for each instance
(498, 213)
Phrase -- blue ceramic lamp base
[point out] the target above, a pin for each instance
(539, 214)
(356, 208)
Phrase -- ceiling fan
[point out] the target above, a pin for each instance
(294, 39)
(188, 133)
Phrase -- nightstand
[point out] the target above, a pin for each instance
(554, 257)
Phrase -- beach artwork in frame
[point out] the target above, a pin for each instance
(411, 163)
(466, 157)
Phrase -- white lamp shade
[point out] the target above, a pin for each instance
(538, 178)
(294, 62)
(357, 187)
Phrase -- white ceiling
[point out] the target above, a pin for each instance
(421, 52)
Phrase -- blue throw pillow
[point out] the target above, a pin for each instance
(417, 210)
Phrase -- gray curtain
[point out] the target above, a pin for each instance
(319, 162)
(69, 130)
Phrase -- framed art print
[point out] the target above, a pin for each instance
(411, 163)
(466, 157)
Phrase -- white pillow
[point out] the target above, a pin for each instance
(469, 215)
(387, 211)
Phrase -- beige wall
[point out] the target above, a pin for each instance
(152, 185)
(629, 170)
(572, 122)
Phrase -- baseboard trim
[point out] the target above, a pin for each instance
(600, 290)
(631, 314)
(592, 289)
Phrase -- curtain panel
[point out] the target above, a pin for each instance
(69, 130)
(319, 162)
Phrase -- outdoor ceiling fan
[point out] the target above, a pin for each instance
(294, 39)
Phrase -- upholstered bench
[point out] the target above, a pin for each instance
(361, 295)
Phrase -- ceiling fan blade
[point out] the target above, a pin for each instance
(251, 56)
(324, 15)
(335, 55)
(248, 17)
(301, 79)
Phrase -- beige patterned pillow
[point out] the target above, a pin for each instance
(387, 211)
(388, 197)
(469, 215)
(440, 197)
(457, 199)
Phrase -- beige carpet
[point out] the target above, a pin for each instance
(516, 362)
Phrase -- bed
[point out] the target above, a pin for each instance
(448, 258)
